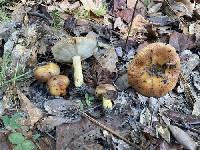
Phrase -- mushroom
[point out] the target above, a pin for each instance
(74, 49)
(58, 84)
(155, 70)
(107, 92)
(44, 73)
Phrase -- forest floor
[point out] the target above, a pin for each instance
(69, 114)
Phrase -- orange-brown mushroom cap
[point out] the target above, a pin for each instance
(154, 71)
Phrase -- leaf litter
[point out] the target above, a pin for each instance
(39, 33)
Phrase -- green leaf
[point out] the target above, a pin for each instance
(16, 138)
(14, 123)
(101, 11)
(18, 147)
(28, 145)
(6, 121)
(89, 99)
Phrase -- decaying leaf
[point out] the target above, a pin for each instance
(138, 25)
(62, 111)
(180, 41)
(4, 145)
(62, 107)
(107, 58)
(160, 20)
(189, 61)
(50, 122)
(181, 117)
(34, 113)
(145, 117)
(196, 108)
(88, 4)
(190, 6)
(78, 135)
(131, 3)
(93, 6)
(181, 9)
(125, 14)
(183, 138)
(163, 145)
(154, 7)
(119, 24)
(194, 29)
(164, 133)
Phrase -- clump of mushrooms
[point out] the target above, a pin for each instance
(57, 84)
(75, 49)
(155, 70)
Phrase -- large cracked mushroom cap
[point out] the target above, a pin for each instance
(154, 71)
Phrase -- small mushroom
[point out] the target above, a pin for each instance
(44, 73)
(73, 50)
(155, 70)
(107, 92)
(58, 84)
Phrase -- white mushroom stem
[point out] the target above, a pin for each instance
(78, 74)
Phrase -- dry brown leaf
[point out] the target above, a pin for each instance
(194, 29)
(183, 138)
(145, 117)
(154, 8)
(196, 108)
(108, 59)
(79, 135)
(91, 5)
(190, 6)
(34, 113)
(4, 144)
(131, 3)
(181, 9)
(138, 25)
(164, 133)
(88, 4)
(180, 41)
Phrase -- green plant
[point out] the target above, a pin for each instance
(56, 19)
(12, 123)
(4, 67)
(81, 13)
(101, 11)
(89, 99)
(20, 142)
(16, 138)
(3, 15)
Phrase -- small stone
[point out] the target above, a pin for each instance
(122, 82)
(119, 51)
(180, 88)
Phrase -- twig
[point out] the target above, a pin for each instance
(129, 30)
(108, 129)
